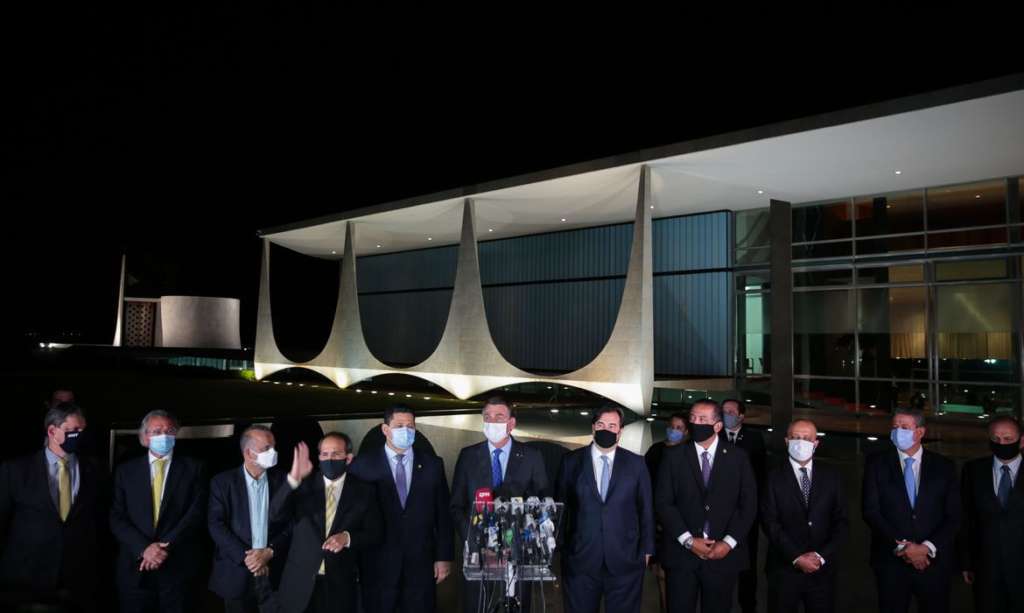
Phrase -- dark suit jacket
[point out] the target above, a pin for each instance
(683, 504)
(181, 520)
(794, 528)
(40, 552)
(414, 537)
(935, 517)
(752, 442)
(304, 508)
(617, 532)
(524, 476)
(231, 530)
(992, 536)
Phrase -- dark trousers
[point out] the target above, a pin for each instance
(158, 597)
(789, 587)
(994, 592)
(748, 578)
(683, 586)
(898, 583)
(494, 595)
(409, 595)
(258, 598)
(621, 593)
(329, 598)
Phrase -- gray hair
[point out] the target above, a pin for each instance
(156, 413)
(917, 414)
(247, 438)
(59, 413)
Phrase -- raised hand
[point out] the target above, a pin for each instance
(302, 466)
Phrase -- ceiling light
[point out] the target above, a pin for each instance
(872, 438)
(391, 393)
(333, 252)
(652, 207)
(378, 246)
(429, 238)
(426, 397)
(899, 172)
(650, 419)
(760, 191)
(977, 196)
(563, 219)
(554, 410)
(359, 391)
(584, 413)
(408, 395)
(771, 429)
(490, 229)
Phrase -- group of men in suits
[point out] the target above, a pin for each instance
(379, 529)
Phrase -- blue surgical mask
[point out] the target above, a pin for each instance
(673, 435)
(903, 439)
(161, 444)
(403, 437)
(731, 421)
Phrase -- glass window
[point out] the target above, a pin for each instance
(753, 313)
(822, 222)
(891, 244)
(910, 273)
(975, 333)
(758, 255)
(823, 250)
(825, 395)
(809, 278)
(890, 214)
(752, 229)
(967, 238)
(977, 400)
(823, 324)
(892, 326)
(753, 281)
(971, 269)
(881, 397)
(972, 204)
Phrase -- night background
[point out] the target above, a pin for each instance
(175, 139)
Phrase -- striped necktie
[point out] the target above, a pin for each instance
(329, 513)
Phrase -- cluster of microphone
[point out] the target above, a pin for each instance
(512, 532)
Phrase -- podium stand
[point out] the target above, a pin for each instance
(510, 544)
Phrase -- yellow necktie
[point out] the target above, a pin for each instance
(64, 488)
(158, 488)
(329, 518)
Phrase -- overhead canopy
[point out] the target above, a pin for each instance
(833, 156)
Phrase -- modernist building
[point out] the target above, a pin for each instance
(840, 263)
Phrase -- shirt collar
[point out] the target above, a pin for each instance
(797, 467)
(249, 478)
(736, 431)
(392, 454)
(53, 458)
(997, 464)
(328, 482)
(153, 458)
(711, 450)
(596, 454)
(916, 456)
(505, 449)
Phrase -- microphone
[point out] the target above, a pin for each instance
(477, 536)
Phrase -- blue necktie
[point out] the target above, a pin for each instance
(909, 481)
(496, 470)
(606, 475)
(1005, 484)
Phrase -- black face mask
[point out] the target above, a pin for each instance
(605, 439)
(72, 442)
(1005, 451)
(333, 469)
(702, 432)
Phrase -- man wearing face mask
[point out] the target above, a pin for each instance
(501, 464)
(734, 413)
(675, 434)
(803, 512)
(706, 501)
(244, 568)
(51, 513)
(157, 520)
(412, 491)
(992, 535)
(333, 516)
(911, 502)
(608, 526)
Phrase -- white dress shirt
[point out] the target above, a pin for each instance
(916, 467)
(167, 471)
(595, 456)
(340, 485)
(686, 536)
(799, 477)
(997, 472)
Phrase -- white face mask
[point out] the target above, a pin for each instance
(495, 432)
(801, 450)
(267, 459)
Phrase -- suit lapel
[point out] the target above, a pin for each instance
(85, 484)
(515, 457)
(43, 476)
(320, 502)
(816, 486)
(345, 505)
(175, 473)
(384, 464)
(618, 465)
(587, 474)
(896, 474)
(241, 483)
(484, 466)
(693, 460)
(716, 463)
(794, 483)
(925, 475)
(414, 472)
(144, 483)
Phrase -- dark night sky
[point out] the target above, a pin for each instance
(176, 139)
